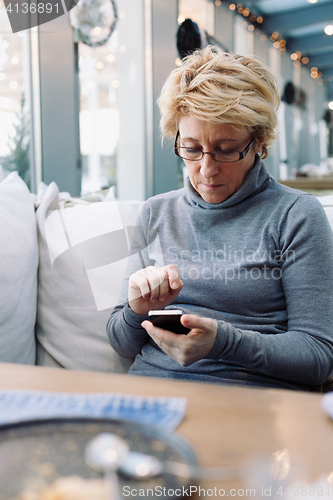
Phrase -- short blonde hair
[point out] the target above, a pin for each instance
(219, 87)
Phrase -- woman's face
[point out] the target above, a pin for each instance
(216, 181)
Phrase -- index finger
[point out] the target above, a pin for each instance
(173, 276)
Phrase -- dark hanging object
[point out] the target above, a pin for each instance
(188, 38)
(328, 117)
(289, 93)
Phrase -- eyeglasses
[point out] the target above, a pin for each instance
(220, 155)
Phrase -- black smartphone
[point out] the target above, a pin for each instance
(168, 319)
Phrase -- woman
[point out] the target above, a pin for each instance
(245, 258)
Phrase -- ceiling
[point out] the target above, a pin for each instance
(301, 24)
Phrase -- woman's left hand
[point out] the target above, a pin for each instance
(186, 349)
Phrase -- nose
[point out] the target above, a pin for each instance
(208, 166)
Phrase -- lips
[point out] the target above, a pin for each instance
(212, 186)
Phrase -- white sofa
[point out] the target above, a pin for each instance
(61, 272)
(73, 260)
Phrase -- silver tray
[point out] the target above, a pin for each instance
(36, 453)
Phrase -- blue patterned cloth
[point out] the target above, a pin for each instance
(23, 405)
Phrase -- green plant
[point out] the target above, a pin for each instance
(18, 159)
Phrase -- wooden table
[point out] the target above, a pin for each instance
(225, 425)
(309, 183)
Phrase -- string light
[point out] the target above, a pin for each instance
(329, 29)
(314, 72)
(251, 22)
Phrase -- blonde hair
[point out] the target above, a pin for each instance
(219, 87)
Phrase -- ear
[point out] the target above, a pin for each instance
(258, 145)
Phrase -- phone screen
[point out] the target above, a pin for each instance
(168, 319)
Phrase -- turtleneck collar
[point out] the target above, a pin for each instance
(255, 182)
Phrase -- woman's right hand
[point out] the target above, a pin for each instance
(153, 288)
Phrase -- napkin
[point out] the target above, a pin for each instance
(327, 403)
(23, 405)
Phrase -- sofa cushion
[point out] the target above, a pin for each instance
(83, 252)
(18, 271)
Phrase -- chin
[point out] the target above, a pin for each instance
(214, 198)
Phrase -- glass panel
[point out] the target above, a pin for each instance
(99, 118)
(199, 11)
(14, 100)
(112, 107)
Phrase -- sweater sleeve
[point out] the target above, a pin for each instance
(124, 329)
(304, 353)
(127, 337)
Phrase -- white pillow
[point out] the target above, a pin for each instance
(82, 263)
(18, 272)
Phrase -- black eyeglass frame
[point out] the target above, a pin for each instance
(242, 154)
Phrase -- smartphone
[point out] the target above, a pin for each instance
(168, 319)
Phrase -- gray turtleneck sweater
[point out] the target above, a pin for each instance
(260, 263)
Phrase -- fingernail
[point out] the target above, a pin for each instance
(174, 284)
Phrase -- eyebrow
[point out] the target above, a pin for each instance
(219, 140)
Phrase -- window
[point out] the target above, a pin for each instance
(113, 107)
(15, 126)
